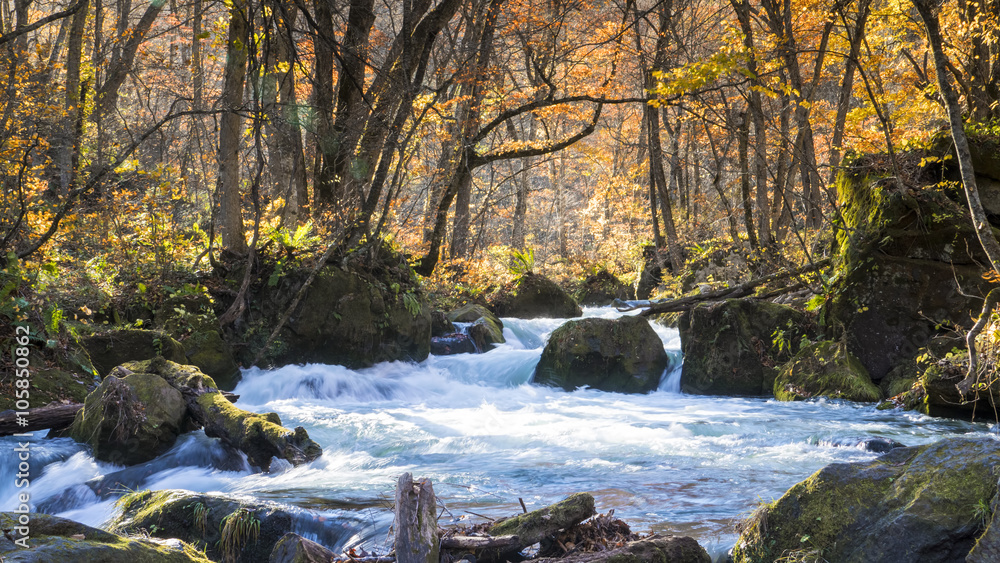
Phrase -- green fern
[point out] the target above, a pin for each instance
(522, 261)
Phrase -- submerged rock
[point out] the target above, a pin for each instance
(533, 296)
(623, 355)
(228, 528)
(927, 503)
(825, 369)
(733, 347)
(130, 419)
(54, 539)
(456, 343)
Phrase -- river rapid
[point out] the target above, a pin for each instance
(486, 437)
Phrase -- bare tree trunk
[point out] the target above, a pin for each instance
(229, 207)
(744, 141)
(67, 144)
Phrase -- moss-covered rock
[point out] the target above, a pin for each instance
(533, 296)
(733, 347)
(601, 289)
(922, 504)
(935, 393)
(623, 355)
(346, 318)
(485, 330)
(130, 419)
(908, 263)
(192, 320)
(227, 528)
(53, 539)
(115, 347)
(825, 369)
(471, 313)
(539, 524)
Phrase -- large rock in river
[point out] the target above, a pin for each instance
(534, 296)
(348, 318)
(927, 503)
(130, 419)
(54, 539)
(623, 355)
(732, 347)
(485, 329)
(825, 369)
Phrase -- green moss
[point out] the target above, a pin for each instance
(825, 369)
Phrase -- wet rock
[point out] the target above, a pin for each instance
(115, 347)
(534, 296)
(825, 369)
(485, 328)
(623, 355)
(440, 325)
(537, 525)
(927, 503)
(876, 444)
(471, 313)
(223, 525)
(130, 419)
(733, 347)
(293, 548)
(54, 539)
(935, 391)
(449, 344)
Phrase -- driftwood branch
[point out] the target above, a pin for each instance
(471, 543)
(741, 290)
(42, 418)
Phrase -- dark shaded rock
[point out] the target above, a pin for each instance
(440, 325)
(293, 548)
(923, 503)
(115, 347)
(876, 444)
(449, 344)
(53, 539)
(202, 519)
(653, 263)
(733, 347)
(908, 264)
(654, 549)
(935, 392)
(192, 319)
(131, 419)
(825, 369)
(601, 289)
(623, 355)
(534, 296)
(485, 330)
(347, 318)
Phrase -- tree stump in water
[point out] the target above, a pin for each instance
(416, 521)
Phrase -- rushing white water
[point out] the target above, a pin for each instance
(486, 437)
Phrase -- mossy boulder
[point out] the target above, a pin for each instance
(601, 289)
(908, 262)
(115, 347)
(935, 393)
(733, 347)
(620, 355)
(55, 539)
(825, 369)
(440, 325)
(533, 296)
(485, 328)
(348, 318)
(926, 503)
(130, 419)
(222, 525)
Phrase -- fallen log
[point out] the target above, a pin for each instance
(472, 543)
(537, 525)
(54, 417)
(416, 521)
(741, 290)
